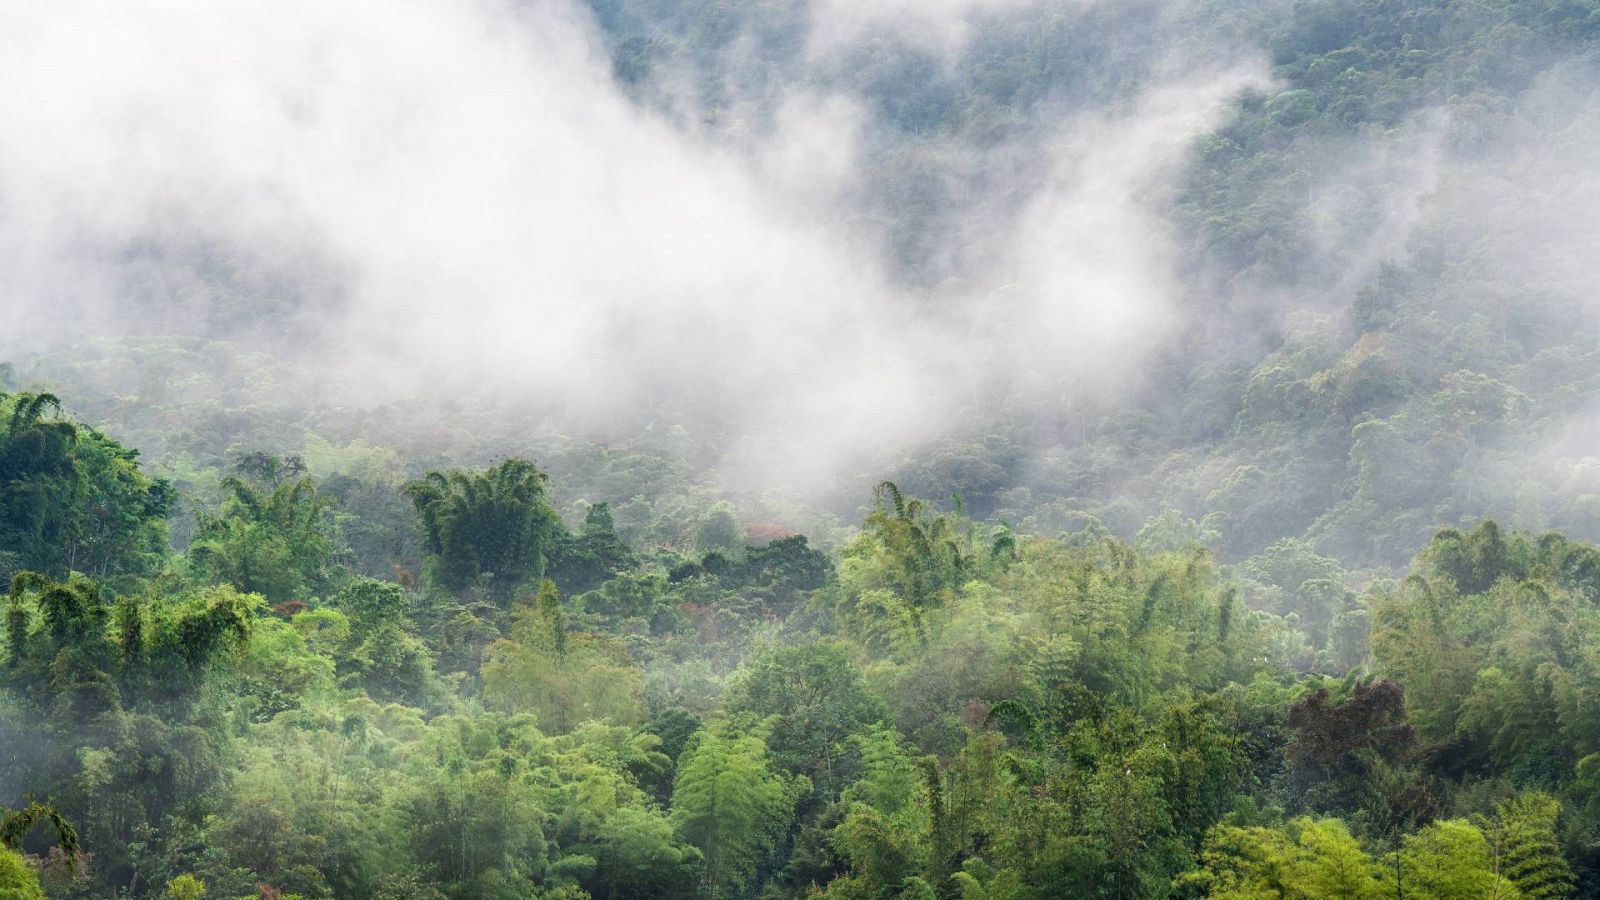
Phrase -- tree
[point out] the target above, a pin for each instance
(923, 552)
(814, 701)
(120, 531)
(272, 536)
(563, 677)
(65, 656)
(38, 479)
(15, 825)
(381, 655)
(718, 531)
(186, 887)
(494, 529)
(587, 561)
(1495, 679)
(728, 802)
(1448, 858)
(1306, 860)
(1330, 863)
(18, 881)
(783, 571)
(1525, 838)
(1241, 863)
(372, 604)
(72, 499)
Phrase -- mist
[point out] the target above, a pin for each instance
(764, 240)
(453, 199)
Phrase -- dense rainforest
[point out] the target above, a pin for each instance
(1308, 606)
(940, 707)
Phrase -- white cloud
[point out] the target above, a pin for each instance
(460, 197)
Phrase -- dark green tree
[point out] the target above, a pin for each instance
(16, 823)
(587, 560)
(814, 701)
(494, 529)
(72, 499)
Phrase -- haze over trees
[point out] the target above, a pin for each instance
(851, 451)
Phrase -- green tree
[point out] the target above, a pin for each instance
(586, 561)
(16, 823)
(814, 701)
(922, 552)
(18, 881)
(782, 571)
(728, 802)
(563, 677)
(493, 529)
(1448, 858)
(1485, 634)
(1330, 863)
(72, 499)
(186, 887)
(380, 653)
(66, 657)
(1306, 860)
(718, 531)
(271, 537)
(1525, 839)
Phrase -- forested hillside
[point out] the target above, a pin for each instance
(1381, 253)
(939, 708)
(986, 449)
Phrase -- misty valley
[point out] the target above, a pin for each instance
(800, 450)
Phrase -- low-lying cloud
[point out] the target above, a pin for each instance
(460, 197)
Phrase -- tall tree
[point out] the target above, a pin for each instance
(493, 529)
(728, 802)
(588, 560)
(273, 535)
(72, 499)
(1530, 855)
(923, 551)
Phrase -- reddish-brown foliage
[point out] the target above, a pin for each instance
(764, 533)
(289, 609)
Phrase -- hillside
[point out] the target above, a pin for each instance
(683, 448)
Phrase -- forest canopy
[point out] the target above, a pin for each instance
(938, 707)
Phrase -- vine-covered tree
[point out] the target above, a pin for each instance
(78, 655)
